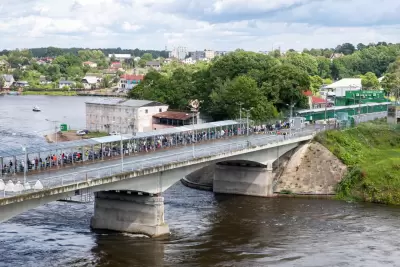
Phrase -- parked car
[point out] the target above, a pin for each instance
(114, 133)
(81, 132)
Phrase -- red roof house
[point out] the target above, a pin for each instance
(116, 65)
(314, 101)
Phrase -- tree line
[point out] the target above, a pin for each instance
(267, 85)
(55, 52)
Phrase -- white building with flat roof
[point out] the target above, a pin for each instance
(121, 115)
(340, 87)
(120, 56)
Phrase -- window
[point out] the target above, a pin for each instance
(160, 110)
(146, 111)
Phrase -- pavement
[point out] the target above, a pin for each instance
(96, 169)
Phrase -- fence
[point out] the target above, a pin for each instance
(189, 153)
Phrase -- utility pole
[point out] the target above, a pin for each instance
(240, 116)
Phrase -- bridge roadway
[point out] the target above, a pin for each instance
(98, 169)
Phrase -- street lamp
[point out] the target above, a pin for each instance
(247, 119)
(25, 161)
(240, 116)
(55, 127)
(194, 107)
(291, 106)
(121, 147)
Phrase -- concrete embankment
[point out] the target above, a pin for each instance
(310, 170)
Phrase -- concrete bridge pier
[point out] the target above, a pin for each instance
(243, 178)
(124, 211)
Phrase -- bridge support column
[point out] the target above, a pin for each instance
(243, 180)
(130, 213)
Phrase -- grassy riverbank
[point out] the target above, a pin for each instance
(372, 153)
(54, 93)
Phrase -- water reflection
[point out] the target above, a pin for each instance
(121, 250)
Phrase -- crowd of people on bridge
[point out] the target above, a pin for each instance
(69, 156)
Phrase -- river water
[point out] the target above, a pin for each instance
(206, 229)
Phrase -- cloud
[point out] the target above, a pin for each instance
(212, 24)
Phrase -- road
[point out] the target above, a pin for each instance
(97, 169)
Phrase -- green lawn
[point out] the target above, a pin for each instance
(96, 134)
(372, 153)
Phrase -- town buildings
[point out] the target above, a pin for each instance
(197, 55)
(340, 87)
(179, 53)
(62, 84)
(90, 82)
(314, 101)
(128, 81)
(154, 65)
(121, 115)
(209, 54)
(8, 80)
(90, 64)
(120, 56)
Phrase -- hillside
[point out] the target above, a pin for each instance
(372, 153)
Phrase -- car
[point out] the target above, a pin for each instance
(114, 133)
(81, 132)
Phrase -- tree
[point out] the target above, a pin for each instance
(142, 63)
(147, 57)
(316, 83)
(2, 82)
(304, 61)
(391, 84)
(53, 72)
(369, 81)
(361, 46)
(106, 82)
(289, 83)
(346, 49)
(242, 89)
(324, 67)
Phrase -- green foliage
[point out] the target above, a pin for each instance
(237, 78)
(369, 81)
(315, 83)
(372, 153)
(147, 57)
(303, 61)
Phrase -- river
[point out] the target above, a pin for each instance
(206, 229)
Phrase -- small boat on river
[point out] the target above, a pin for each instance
(36, 109)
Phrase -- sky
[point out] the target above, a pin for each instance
(256, 25)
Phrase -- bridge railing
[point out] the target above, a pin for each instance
(140, 164)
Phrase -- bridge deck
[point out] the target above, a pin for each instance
(80, 172)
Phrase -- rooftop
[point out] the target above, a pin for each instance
(131, 77)
(90, 79)
(124, 102)
(346, 82)
(175, 115)
(67, 82)
(6, 151)
(153, 63)
(318, 100)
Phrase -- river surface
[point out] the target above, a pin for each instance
(206, 229)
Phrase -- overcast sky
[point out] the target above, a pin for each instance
(197, 24)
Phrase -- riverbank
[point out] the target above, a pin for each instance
(372, 153)
(51, 93)
(71, 136)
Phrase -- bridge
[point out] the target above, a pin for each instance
(128, 191)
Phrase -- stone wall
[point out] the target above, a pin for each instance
(312, 169)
